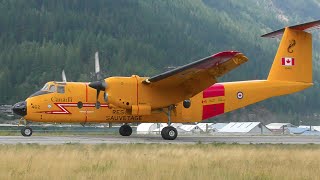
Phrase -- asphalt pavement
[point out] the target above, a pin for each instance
(149, 139)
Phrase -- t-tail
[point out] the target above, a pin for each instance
(291, 72)
(293, 61)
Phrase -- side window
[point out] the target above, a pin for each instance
(52, 88)
(60, 89)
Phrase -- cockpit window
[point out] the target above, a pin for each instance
(52, 88)
(60, 89)
(45, 87)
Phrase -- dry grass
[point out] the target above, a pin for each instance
(155, 161)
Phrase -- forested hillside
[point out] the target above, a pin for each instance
(39, 38)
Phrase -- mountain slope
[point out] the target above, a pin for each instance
(39, 38)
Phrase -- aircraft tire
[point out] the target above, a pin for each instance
(169, 133)
(26, 131)
(162, 132)
(125, 130)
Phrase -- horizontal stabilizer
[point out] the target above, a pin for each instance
(301, 27)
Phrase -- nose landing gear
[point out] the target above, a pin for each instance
(26, 131)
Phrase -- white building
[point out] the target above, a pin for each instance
(206, 127)
(245, 128)
(313, 128)
(189, 128)
(146, 128)
(216, 127)
(279, 127)
(298, 130)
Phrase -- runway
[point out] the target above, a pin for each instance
(149, 139)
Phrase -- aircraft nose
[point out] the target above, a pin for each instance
(20, 108)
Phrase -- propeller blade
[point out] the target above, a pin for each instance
(64, 78)
(98, 92)
(97, 66)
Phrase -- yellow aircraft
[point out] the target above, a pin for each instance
(187, 94)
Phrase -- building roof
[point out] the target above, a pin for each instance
(307, 127)
(203, 126)
(313, 128)
(155, 127)
(147, 126)
(176, 125)
(218, 126)
(316, 128)
(278, 125)
(298, 130)
(239, 127)
(144, 126)
(188, 127)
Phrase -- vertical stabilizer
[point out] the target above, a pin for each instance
(293, 61)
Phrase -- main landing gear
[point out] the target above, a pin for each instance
(125, 130)
(169, 132)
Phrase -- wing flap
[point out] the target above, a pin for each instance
(200, 74)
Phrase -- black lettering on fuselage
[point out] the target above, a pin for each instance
(124, 118)
(119, 111)
(61, 99)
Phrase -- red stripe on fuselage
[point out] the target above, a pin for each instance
(214, 91)
(213, 109)
(64, 110)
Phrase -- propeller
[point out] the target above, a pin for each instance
(64, 78)
(100, 84)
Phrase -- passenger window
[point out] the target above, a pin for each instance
(60, 89)
(52, 88)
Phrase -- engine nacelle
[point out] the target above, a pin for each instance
(122, 92)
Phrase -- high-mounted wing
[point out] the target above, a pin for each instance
(198, 75)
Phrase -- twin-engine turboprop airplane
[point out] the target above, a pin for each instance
(187, 94)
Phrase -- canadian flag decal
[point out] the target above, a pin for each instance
(287, 61)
